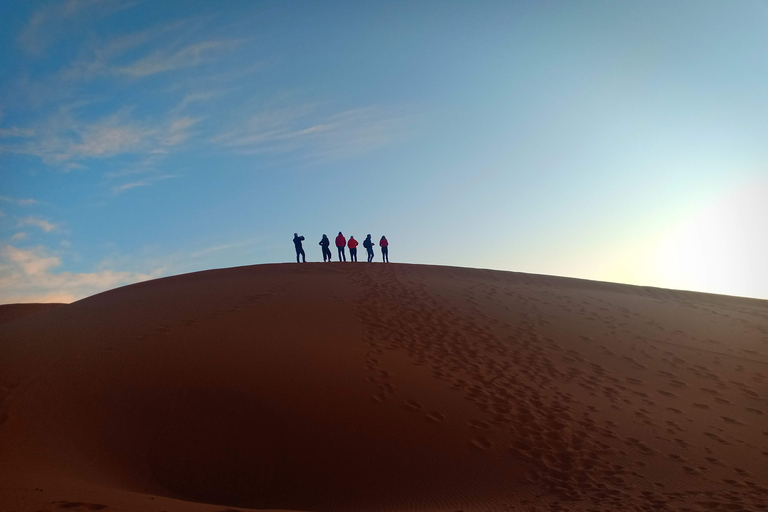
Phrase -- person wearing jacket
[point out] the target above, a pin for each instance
(341, 242)
(299, 249)
(352, 244)
(384, 244)
(368, 244)
(325, 243)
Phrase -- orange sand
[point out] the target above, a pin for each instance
(354, 387)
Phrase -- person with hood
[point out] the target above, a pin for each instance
(368, 244)
(325, 243)
(341, 242)
(384, 244)
(299, 249)
(352, 244)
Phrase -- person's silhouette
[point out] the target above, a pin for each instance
(299, 249)
(352, 244)
(325, 243)
(384, 244)
(341, 242)
(368, 244)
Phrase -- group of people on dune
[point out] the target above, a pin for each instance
(341, 243)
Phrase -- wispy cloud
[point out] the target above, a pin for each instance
(26, 275)
(118, 189)
(116, 57)
(163, 61)
(192, 98)
(41, 223)
(49, 22)
(65, 141)
(62, 138)
(20, 202)
(306, 129)
(19, 236)
(223, 247)
(177, 131)
(108, 137)
(32, 262)
(16, 132)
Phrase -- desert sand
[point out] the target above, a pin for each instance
(10, 312)
(372, 387)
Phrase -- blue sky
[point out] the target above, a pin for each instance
(616, 141)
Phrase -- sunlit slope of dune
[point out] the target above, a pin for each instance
(386, 387)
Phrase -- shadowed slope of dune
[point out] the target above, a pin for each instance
(9, 312)
(386, 387)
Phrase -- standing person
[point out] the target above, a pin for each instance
(368, 244)
(352, 244)
(340, 243)
(384, 244)
(299, 249)
(325, 243)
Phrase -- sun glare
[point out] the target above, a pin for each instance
(721, 248)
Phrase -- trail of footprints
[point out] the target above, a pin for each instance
(514, 381)
(242, 304)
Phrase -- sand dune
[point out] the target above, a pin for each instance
(10, 312)
(347, 387)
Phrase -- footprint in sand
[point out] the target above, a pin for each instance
(732, 421)
(481, 442)
(479, 425)
(435, 417)
(412, 405)
(717, 438)
(86, 506)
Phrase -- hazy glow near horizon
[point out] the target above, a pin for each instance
(600, 140)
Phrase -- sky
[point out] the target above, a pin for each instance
(612, 141)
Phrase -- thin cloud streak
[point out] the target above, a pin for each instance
(20, 202)
(119, 189)
(298, 129)
(46, 24)
(161, 62)
(16, 132)
(64, 141)
(41, 223)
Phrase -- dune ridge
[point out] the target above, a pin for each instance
(386, 387)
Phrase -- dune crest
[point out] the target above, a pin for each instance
(386, 387)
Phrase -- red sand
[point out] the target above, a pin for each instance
(10, 312)
(345, 387)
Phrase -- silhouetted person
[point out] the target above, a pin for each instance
(299, 249)
(384, 244)
(325, 243)
(352, 244)
(340, 243)
(368, 244)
